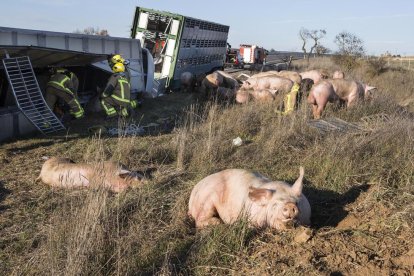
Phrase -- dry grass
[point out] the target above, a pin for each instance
(360, 186)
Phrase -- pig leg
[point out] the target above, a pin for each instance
(211, 221)
(320, 106)
(207, 216)
(315, 111)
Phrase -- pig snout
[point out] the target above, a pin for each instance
(290, 211)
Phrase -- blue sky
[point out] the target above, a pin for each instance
(383, 25)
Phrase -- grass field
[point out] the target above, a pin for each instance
(359, 184)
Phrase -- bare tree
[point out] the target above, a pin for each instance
(304, 35)
(350, 49)
(349, 44)
(314, 35)
(321, 50)
(93, 31)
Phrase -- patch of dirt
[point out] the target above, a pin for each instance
(361, 244)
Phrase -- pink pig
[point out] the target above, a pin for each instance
(319, 95)
(351, 91)
(227, 195)
(282, 85)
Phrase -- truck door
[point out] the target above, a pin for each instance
(170, 47)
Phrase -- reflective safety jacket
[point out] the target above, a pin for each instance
(118, 87)
(61, 81)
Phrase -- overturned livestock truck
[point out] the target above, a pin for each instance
(179, 44)
(26, 57)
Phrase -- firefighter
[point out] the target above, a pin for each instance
(63, 84)
(113, 59)
(117, 58)
(116, 97)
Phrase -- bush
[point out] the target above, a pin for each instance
(374, 67)
(347, 63)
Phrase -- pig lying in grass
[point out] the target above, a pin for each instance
(62, 172)
(228, 195)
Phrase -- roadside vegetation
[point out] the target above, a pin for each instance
(359, 184)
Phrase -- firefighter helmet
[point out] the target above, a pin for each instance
(118, 68)
(117, 59)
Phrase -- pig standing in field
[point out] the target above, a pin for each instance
(274, 83)
(351, 91)
(292, 75)
(264, 74)
(366, 90)
(319, 95)
(228, 195)
(187, 82)
(315, 75)
(62, 172)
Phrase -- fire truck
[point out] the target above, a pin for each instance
(253, 54)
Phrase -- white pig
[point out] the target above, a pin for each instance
(228, 195)
(62, 172)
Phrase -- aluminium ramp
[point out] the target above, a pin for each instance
(28, 95)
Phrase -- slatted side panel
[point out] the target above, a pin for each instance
(28, 95)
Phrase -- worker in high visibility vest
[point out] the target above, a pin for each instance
(64, 84)
(117, 58)
(116, 97)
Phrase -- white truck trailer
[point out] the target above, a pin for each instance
(178, 44)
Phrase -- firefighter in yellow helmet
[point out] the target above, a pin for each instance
(64, 84)
(117, 58)
(116, 97)
(114, 59)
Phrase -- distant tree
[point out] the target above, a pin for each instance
(321, 50)
(350, 49)
(314, 35)
(92, 31)
(304, 35)
(272, 51)
(349, 44)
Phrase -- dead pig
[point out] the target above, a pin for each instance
(62, 172)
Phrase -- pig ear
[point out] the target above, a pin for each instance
(260, 196)
(298, 185)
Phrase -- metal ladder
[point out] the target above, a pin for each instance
(28, 95)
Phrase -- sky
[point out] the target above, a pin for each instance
(382, 25)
